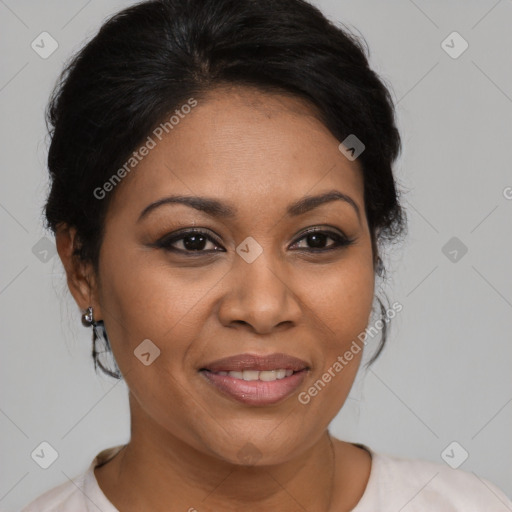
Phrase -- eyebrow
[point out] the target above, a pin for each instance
(216, 208)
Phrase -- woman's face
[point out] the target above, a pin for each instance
(250, 283)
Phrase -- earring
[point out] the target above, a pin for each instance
(98, 326)
(88, 317)
(100, 335)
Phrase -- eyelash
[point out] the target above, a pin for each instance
(166, 242)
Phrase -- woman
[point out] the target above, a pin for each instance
(221, 188)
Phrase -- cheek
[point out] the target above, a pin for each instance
(147, 298)
(342, 298)
(342, 305)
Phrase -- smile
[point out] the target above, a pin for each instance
(256, 380)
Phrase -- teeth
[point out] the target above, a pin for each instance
(266, 375)
(249, 375)
(281, 374)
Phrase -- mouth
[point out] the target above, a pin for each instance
(256, 380)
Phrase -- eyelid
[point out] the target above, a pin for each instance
(186, 231)
(341, 239)
(170, 238)
(323, 228)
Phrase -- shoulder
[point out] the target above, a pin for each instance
(414, 485)
(82, 493)
(66, 496)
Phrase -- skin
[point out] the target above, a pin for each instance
(259, 152)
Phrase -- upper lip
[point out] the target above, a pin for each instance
(241, 362)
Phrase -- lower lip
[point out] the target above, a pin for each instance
(256, 392)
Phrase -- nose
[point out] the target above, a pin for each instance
(261, 297)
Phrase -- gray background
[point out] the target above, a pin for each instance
(445, 374)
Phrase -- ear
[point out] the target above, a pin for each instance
(80, 275)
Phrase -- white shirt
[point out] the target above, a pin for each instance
(395, 484)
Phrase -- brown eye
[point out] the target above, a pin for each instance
(317, 239)
(192, 241)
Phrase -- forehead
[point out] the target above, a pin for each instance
(249, 147)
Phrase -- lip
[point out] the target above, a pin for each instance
(256, 392)
(256, 362)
